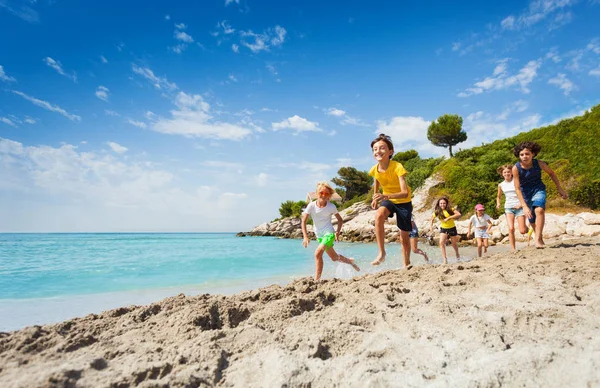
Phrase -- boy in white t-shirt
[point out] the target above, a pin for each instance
(321, 211)
(482, 223)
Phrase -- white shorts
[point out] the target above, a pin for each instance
(481, 233)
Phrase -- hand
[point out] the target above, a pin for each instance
(563, 194)
(468, 234)
(518, 207)
(374, 204)
(447, 219)
(527, 212)
(497, 206)
(305, 242)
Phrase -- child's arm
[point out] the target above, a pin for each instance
(340, 222)
(554, 178)
(489, 225)
(455, 216)
(517, 182)
(376, 194)
(305, 240)
(469, 231)
(498, 197)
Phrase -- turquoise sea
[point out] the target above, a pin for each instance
(47, 278)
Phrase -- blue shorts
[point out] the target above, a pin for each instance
(414, 233)
(403, 212)
(517, 212)
(537, 200)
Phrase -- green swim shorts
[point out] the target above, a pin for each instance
(327, 240)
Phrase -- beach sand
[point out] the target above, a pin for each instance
(528, 318)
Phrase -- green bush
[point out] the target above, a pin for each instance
(587, 194)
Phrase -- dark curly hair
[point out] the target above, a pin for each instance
(535, 148)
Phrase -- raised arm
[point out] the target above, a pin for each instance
(554, 178)
(340, 222)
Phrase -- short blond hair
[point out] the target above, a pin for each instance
(326, 185)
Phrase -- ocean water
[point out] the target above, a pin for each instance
(47, 278)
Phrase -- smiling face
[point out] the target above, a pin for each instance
(507, 174)
(381, 151)
(443, 203)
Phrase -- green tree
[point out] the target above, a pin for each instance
(402, 157)
(286, 209)
(353, 181)
(446, 131)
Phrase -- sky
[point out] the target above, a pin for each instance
(204, 116)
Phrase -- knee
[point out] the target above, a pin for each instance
(511, 229)
(380, 216)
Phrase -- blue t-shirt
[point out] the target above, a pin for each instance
(530, 179)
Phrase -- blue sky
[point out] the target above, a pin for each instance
(206, 115)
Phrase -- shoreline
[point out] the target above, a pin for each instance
(517, 318)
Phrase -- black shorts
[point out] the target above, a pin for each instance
(402, 211)
(451, 232)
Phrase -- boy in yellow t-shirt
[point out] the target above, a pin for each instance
(446, 215)
(395, 199)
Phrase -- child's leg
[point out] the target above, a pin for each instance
(405, 240)
(337, 257)
(413, 244)
(522, 224)
(319, 261)
(443, 238)
(485, 245)
(380, 217)
(479, 244)
(540, 219)
(510, 222)
(455, 245)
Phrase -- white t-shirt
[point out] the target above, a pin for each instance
(511, 194)
(321, 217)
(480, 222)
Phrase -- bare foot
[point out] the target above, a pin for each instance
(353, 264)
(426, 257)
(539, 244)
(445, 260)
(380, 259)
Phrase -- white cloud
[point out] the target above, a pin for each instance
(102, 93)
(595, 72)
(563, 83)
(482, 127)
(336, 112)
(273, 37)
(48, 106)
(455, 46)
(407, 133)
(103, 59)
(4, 77)
(119, 149)
(192, 119)
(537, 11)
(109, 112)
(517, 106)
(56, 65)
(21, 10)
(29, 120)
(182, 36)
(167, 17)
(227, 2)
(158, 82)
(178, 49)
(262, 179)
(298, 124)
(553, 55)
(502, 80)
(232, 78)
(180, 26)
(139, 124)
(7, 121)
(235, 48)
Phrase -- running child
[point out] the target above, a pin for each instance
(531, 191)
(512, 205)
(446, 214)
(414, 240)
(482, 224)
(321, 211)
(390, 176)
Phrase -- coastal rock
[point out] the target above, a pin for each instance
(590, 218)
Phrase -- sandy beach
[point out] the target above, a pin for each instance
(528, 318)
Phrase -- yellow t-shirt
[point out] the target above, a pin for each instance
(389, 180)
(446, 225)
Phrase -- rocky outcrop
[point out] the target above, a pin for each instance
(359, 223)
